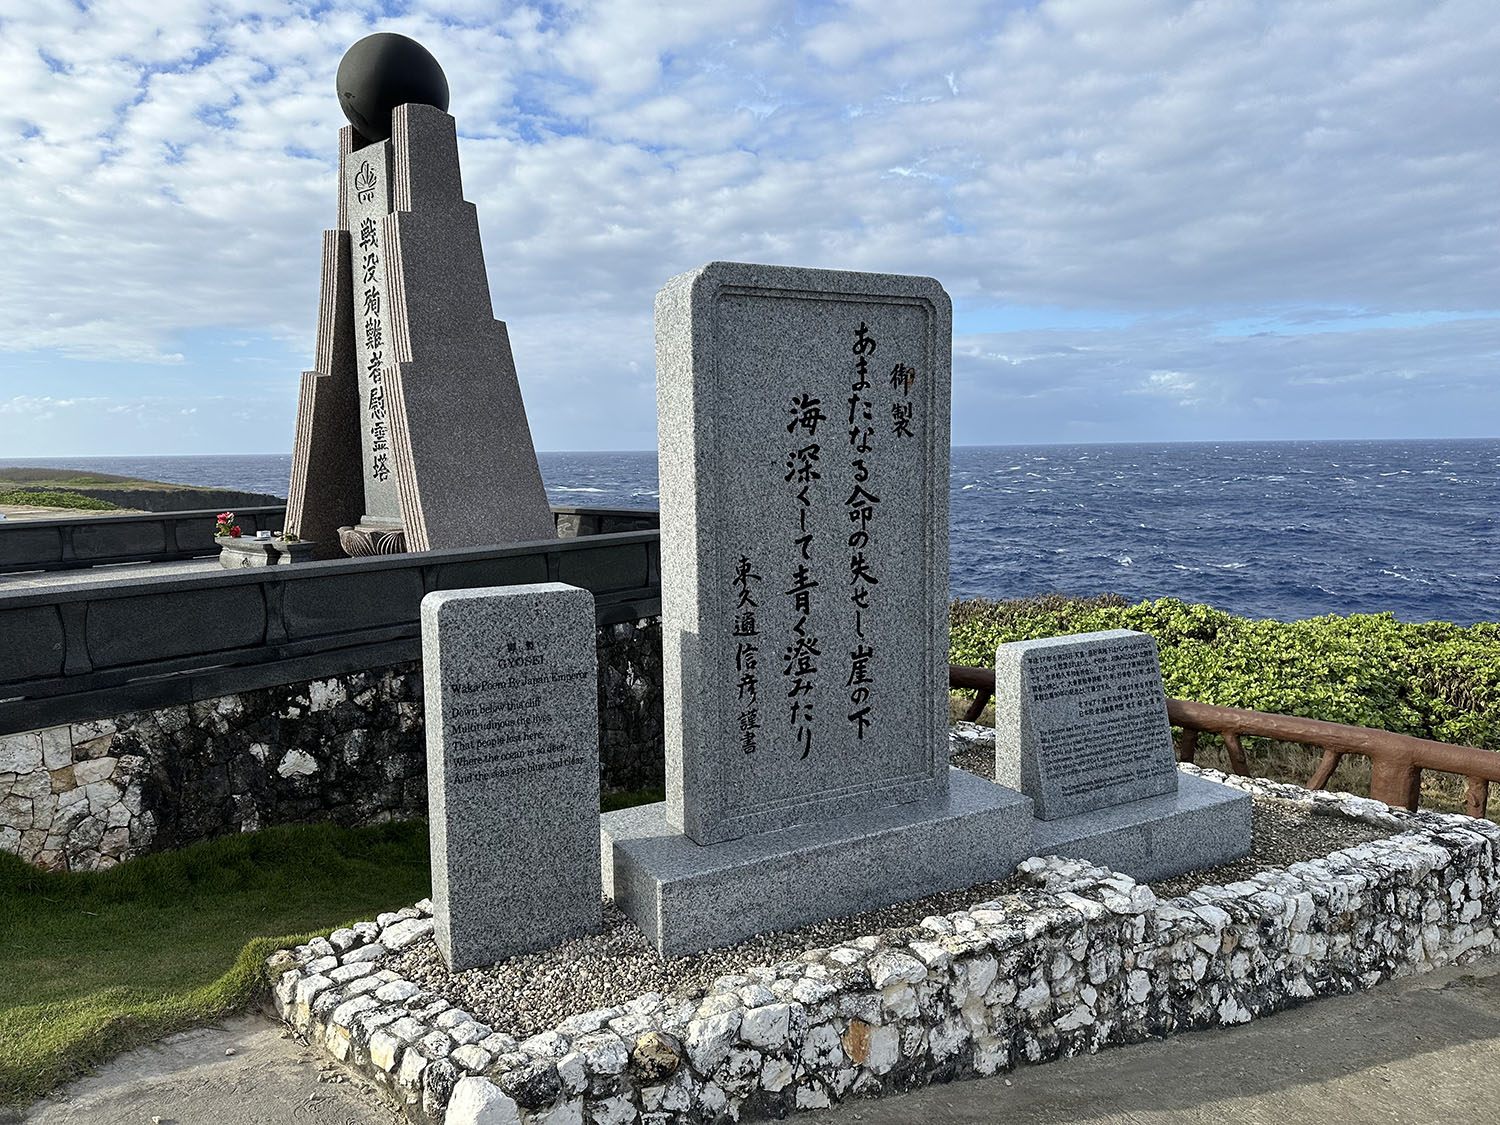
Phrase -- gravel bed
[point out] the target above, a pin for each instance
(536, 991)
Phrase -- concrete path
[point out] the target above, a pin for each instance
(110, 572)
(190, 1079)
(1422, 1051)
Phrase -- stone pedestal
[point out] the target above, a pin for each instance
(686, 896)
(803, 418)
(249, 551)
(1081, 728)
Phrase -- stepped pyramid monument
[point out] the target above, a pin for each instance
(411, 431)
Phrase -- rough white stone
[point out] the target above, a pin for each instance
(297, 763)
(403, 933)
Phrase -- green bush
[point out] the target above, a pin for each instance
(1432, 680)
(51, 498)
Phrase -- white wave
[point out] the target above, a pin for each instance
(1230, 566)
(1124, 560)
(559, 488)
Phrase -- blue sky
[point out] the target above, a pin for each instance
(1158, 220)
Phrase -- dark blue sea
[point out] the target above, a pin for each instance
(1283, 529)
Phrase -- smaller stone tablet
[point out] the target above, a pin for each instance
(510, 674)
(1081, 722)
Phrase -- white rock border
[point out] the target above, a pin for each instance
(1086, 960)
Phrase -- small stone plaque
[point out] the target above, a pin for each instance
(510, 675)
(1081, 722)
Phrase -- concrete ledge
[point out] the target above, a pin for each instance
(1204, 824)
(676, 891)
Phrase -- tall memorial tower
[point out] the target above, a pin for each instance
(411, 432)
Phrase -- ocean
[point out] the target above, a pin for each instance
(1284, 530)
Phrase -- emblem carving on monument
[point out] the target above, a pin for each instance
(411, 431)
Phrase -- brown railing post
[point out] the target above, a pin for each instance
(1187, 744)
(1324, 773)
(1395, 781)
(981, 697)
(1236, 753)
(1477, 796)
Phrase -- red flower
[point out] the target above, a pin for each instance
(234, 532)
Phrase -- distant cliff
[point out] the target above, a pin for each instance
(128, 492)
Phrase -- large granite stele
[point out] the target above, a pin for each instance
(1081, 727)
(803, 423)
(510, 677)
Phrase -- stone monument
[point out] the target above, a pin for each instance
(1081, 728)
(411, 432)
(803, 422)
(510, 679)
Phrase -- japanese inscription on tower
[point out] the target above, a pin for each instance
(368, 196)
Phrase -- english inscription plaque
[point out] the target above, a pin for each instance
(1081, 722)
(512, 767)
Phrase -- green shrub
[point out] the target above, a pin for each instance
(51, 498)
(1431, 680)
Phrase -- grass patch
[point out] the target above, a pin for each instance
(51, 498)
(629, 799)
(93, 963)
(40, 477)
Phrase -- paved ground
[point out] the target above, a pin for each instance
(189, 1079)
(113, 572)
(1423, 1051)
(20, 512)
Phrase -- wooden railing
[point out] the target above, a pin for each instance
(1396, 760)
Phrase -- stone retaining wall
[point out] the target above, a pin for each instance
(1084, 959)
(350, 749)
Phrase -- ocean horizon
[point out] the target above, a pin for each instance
(1285, 529)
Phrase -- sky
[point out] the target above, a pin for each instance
(1159, 220)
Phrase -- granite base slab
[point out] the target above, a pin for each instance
(1202, 825)
(687, 897)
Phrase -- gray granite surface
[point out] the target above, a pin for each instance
(413, 420)
(803, 423)
(327, 486)
(1081, 721)
(687, 897)
(462, 449)
(512, 768)
(1202, 824)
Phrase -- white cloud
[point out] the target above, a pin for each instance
(168, 170)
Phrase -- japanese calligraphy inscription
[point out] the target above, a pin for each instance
(804, 455)
(367, 194)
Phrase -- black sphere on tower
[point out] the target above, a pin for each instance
(383, 71)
